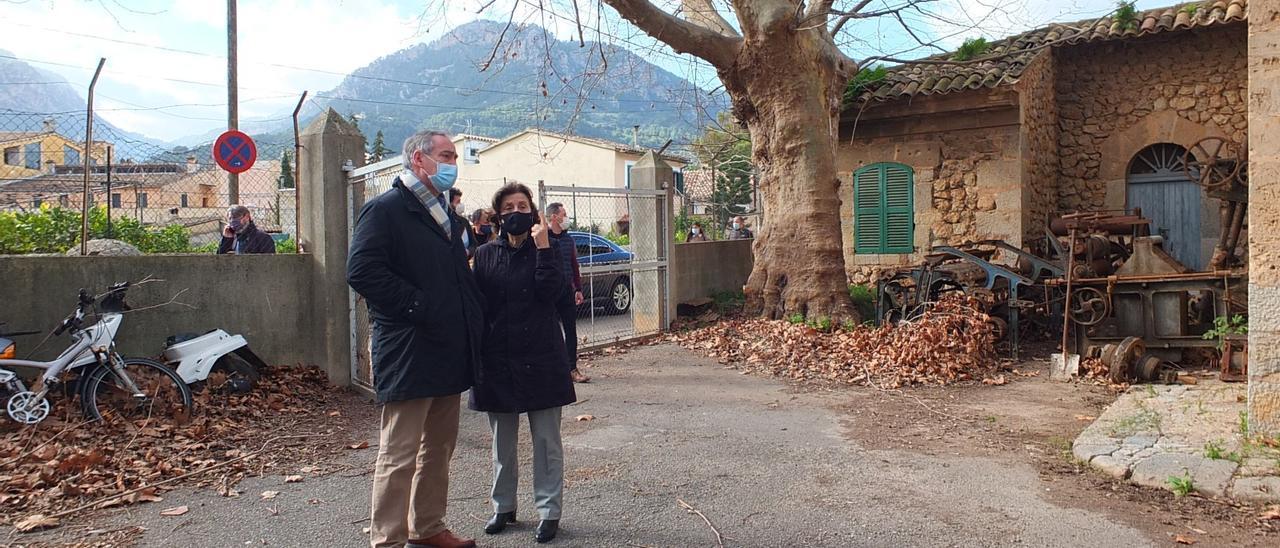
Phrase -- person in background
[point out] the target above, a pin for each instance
(696, 234)
(738, 229)
(455, 203)
(482, 226)
(525, 369)
(408, 262)
(568, 303)
(241, 236)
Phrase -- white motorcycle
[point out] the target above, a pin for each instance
(195, 357)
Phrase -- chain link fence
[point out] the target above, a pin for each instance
(619, 239)
(159, 199)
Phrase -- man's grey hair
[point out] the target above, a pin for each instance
(424, 140)
(237, 211)
(555, 208)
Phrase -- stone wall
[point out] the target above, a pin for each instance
(967, 181)
(1107, 90)
(1264, 216)
(1038, 113)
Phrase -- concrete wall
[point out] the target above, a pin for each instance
(266, 298)
(701, 269)
(1264, 216)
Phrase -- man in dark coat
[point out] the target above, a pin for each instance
(568, 302)
(241, 236)
(468, 235)
(409, 263)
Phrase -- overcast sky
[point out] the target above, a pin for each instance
(165, 75)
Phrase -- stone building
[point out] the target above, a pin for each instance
(1082, 116)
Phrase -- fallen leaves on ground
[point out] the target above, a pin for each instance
(1184, 539)
(268, 495)
(584, 418)
(175, 511)
(65, 462)
(1272, 512)
(954, 341)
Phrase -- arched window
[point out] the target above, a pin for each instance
(1161, 161)
(883, 214)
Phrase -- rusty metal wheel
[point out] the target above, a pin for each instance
(1089, 306)
(1213, 162)
(1124, 358)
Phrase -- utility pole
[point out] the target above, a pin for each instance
(233, 105)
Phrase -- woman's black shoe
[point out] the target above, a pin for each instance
(499, 522)
(547, 530)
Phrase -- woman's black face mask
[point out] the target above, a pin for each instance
(517, 223)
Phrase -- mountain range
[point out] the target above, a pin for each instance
(532, 79)
(32, 98)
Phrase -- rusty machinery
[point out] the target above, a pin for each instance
(1009, 291)
(1221, 168)
(1134, 305)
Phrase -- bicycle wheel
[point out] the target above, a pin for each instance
(160, 394)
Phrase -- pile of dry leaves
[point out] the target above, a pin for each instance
(954, 341)
(65, 464)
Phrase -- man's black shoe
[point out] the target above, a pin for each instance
(499, 522)
(547, 530)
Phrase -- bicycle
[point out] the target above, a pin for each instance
(108, 384)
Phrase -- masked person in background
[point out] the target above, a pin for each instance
(468, 235)
(525, 369)
(241, 236)
(409, 263)
(482, 228)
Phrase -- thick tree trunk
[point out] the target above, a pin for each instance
(788, 95)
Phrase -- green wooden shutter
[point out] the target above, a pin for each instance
(884, 216)
(867, 217)
(899, 227)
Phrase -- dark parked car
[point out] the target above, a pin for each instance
(608, 290)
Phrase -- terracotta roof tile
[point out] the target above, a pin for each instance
(920, 79)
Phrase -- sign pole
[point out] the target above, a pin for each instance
(88, 160)
(233, 108)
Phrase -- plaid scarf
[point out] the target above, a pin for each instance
(435, 204)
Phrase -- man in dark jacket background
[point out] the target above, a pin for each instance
(241, 236)
(568, 303)
(409, 262)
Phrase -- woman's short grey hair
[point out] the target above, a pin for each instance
(424, 140)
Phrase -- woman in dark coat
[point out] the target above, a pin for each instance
(525, 367)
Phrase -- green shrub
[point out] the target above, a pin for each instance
(56, 230)
(727, 302)
(864, 301)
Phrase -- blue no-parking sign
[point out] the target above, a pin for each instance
(234, 151)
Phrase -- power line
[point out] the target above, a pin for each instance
(318, 70)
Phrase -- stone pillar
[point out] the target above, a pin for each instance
(329, 143)
(651, 239)
(1264, 216)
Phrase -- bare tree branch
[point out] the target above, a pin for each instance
(704, 14)
(985, 58)
(683, 36)
(497, 44)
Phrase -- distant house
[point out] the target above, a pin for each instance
(469, 147)
(556, 159)
(31, 153)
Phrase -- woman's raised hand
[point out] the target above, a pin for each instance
(539, 233)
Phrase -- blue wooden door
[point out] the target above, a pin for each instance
(1159, 186)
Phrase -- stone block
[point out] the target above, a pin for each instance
(1182, 103)
(1210, 477)
(1264, 490)
(1117, 468)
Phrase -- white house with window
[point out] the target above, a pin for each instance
(557, 159)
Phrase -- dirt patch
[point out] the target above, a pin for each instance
(1034, 421)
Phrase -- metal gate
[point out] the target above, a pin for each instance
(366, 184)
(620, 235)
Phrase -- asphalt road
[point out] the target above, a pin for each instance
(766, 465)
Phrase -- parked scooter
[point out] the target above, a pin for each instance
(195, 357)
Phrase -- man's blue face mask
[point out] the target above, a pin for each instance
(446, 175)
